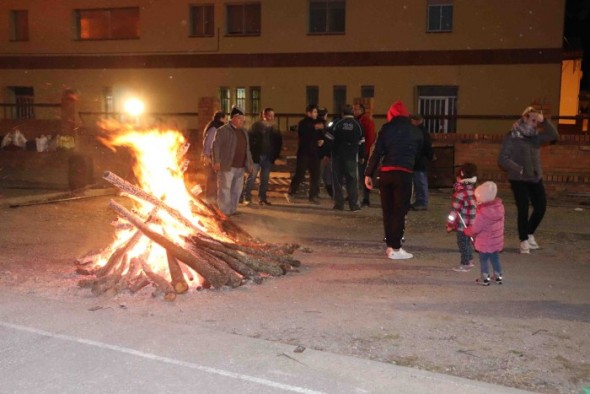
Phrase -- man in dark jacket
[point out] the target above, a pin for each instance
(347, 147)
(307, 155)
(398, 144)
(265, 145)
(421, 167)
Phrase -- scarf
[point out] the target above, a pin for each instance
(521, 129)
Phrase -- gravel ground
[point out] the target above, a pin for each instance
(347, 298)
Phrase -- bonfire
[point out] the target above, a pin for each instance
(172, 238)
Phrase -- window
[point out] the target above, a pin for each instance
(225, 99)
(243, 19)
(367, 91)
(19, 25)
(241, 98)
(108, 102)
(202, 21)
(440, 104)
(108, 23)
(327, 16)
(312, 95)
(24, 99)
(339, 98)
(255, 100)
(440, 16)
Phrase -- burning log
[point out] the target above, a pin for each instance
(178, 282)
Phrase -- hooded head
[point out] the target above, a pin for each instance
(486, 192)
(397, 109)
(235, 111)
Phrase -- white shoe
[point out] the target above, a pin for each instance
(532, 243)
(398, 254)
(525, 248)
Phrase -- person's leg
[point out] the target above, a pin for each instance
(402, 192)
(352, 185)
(314, 178)
(386, 194)
(237, 184)
(365, 193)
(337, 173)
(251, 182)
(421, 189)
(464, 245)
(327, 175)
(265, 166)
(497, 267)
(300, 168)
(211, 184)
(224, 179)
(484, 265)
(539, 203)
(521, 198)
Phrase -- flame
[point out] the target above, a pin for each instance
(159, 170)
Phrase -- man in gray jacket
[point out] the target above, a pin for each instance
(231, 159)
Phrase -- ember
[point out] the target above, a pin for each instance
(173, 239)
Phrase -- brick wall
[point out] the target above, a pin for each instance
(566, 164)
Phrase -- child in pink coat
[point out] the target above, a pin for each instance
(488, 230)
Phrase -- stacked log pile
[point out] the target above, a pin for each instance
(219, 251)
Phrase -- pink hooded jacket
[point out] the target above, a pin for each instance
(488, 227)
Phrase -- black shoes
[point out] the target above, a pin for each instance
(264, 202)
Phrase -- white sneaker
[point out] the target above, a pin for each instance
(398, 254)
(532, 243)
(525, 248)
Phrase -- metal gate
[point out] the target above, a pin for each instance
(438, 112)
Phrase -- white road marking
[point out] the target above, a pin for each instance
(150, 356)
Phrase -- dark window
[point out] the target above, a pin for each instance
(241, 98)
(225, 99)
(255, 99)
(19, 25)
(312, 95)
(327, 16)
(339, 98)
(440, 16)
(243, 19)
(24, 99)
(438, 105)
(108, 23)
(367, 91)
(202, 21)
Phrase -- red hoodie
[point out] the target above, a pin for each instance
(397, 109)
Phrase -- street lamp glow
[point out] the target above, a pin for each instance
(134, 107)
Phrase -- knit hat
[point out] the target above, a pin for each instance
(236, 111)
(486, 192)
(397, 109)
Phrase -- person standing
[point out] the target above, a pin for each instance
(207, 155)
(231, 159)
(520, 157)
(265, 146)
(308, 159)
(347, 146)
(421, 167)
(463, 209)
(398, 143)
(368, 126)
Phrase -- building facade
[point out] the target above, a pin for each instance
(441, 57)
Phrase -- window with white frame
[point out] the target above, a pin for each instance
(107, 23)
(440, 16)
(19, 25)
(241, 98)
(327, 16)
(438, 106)
(243, 19)
(225, 99)
(202, 21)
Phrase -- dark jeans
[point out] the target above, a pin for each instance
(366, 192)
(495, 260)
(421, 188)
(347, 171)
(264, 166)
(310, 164)
(210, 184)
(465, 247)
(525, 192)
(396, 191)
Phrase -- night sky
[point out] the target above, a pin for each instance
(577, 34)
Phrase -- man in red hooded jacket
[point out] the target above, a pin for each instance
(397, 146)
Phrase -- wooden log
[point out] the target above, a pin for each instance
(139, 283)
(162, 284)
(118, 254)
(233, 278)
(212, 275)
(177, 277)
(238, 266)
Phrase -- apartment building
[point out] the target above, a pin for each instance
(441, 57)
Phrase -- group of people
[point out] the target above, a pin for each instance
(230, 152)
(398, 157)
